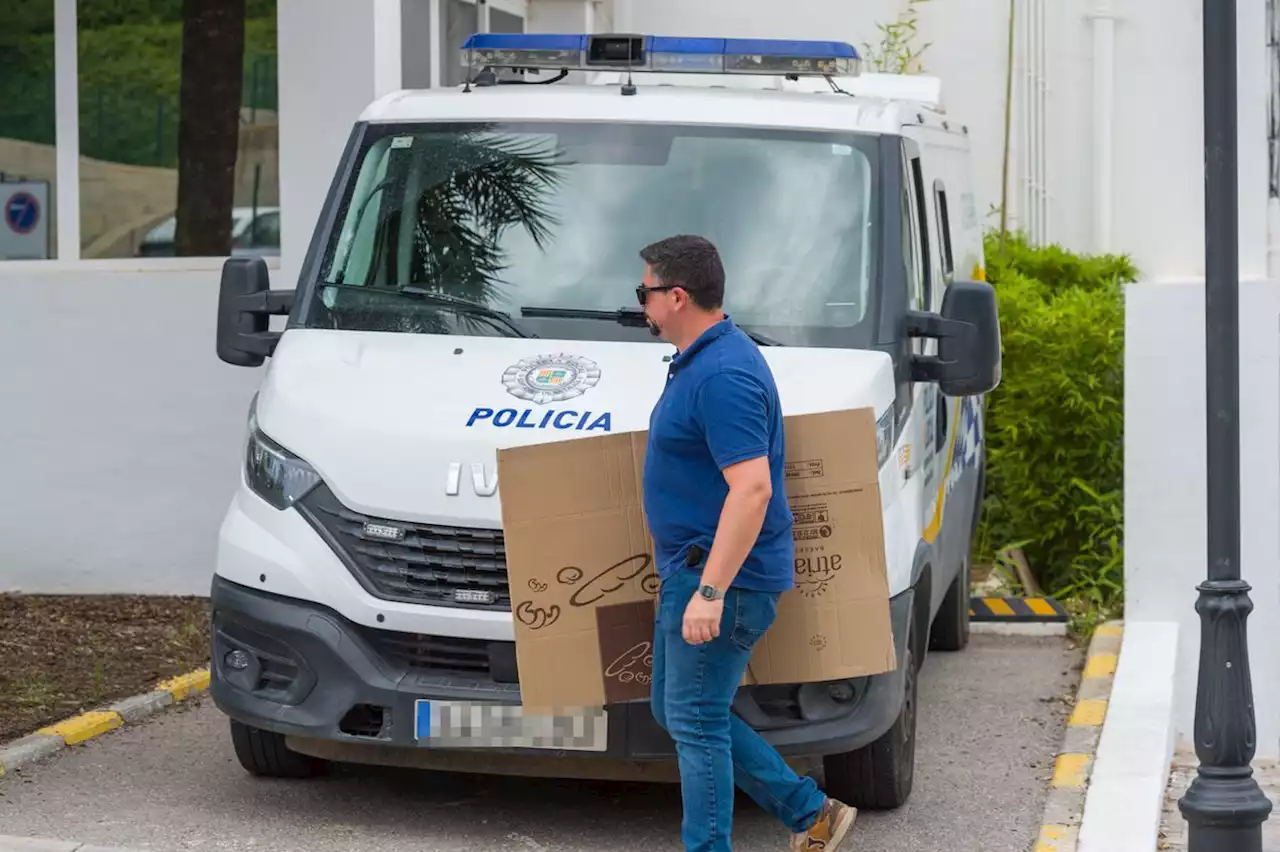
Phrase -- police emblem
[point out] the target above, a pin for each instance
(551, 378)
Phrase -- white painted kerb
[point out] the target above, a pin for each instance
(1126, 789)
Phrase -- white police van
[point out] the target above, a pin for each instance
(470, 285)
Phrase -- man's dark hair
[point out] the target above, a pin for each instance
(691, 262)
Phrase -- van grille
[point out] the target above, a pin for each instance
(426, 564)
(483, 659)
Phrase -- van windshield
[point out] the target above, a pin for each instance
(516, 216)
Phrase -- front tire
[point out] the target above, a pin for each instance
(880, 775)
(264, 754)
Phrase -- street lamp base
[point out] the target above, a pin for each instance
(1224, 807)
(1224, 813)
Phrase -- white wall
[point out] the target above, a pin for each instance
(1165, 504)
(1159, 219)
(568, 16)
(1159, 151)
(122, 439)
(335, 56)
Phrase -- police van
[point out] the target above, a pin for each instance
(470, 285)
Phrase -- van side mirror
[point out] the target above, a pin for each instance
(245, 307)
(968, 335)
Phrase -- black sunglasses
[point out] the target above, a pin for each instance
(642, 292)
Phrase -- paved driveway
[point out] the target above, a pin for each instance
(991, 722)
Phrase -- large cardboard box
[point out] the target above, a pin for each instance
(583, 579)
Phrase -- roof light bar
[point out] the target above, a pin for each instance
(593, 52)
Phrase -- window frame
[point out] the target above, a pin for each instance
(65, 230)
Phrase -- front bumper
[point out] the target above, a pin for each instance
(308, 672)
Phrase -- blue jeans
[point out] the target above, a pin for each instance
(693, 686)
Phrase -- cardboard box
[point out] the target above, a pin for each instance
(583, 580)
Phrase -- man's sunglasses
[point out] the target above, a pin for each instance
(642, 292)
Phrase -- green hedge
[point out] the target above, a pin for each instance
(1055, 425)
(129, 82)
(35, 17)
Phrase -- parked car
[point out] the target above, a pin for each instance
(250, 236)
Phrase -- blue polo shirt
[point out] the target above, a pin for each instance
(719, 407)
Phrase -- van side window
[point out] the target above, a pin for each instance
(915, 241)
(922, 215)
(944, 230)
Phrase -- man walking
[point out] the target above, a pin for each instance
(714, 501)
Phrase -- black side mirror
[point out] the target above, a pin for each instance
(968, 335)
(245, 307)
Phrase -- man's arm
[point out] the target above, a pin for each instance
(750, 488)
(733, 407)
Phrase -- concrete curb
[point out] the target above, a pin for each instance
(1064, 807)
(52, 739)
(1125, 804)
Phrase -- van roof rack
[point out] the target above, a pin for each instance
(665, 54)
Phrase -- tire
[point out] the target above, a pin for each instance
(264, 754)
(951, 628)
(880, 775)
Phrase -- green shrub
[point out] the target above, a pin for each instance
(129, 73)
(1055, 425)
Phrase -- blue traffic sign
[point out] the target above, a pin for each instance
(22, 212)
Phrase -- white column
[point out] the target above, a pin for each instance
(335, 57)
(437, 43)
(66, 86)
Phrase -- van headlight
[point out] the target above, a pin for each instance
(273, 473)
(884, 437)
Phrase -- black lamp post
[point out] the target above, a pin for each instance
(1224, 806)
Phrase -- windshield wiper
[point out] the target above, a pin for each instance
(462, 306)
(622, 316)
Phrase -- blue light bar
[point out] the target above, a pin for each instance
(595, 52)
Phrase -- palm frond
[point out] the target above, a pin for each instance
(492, 183)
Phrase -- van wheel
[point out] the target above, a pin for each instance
(951, 627)
(879, 776)
(264, 753)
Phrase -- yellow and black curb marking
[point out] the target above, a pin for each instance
(1017, 610)
(1074, 763)
(86, 726)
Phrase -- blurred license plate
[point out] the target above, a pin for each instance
(471, 724)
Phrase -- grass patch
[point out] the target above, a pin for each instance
(66, 654)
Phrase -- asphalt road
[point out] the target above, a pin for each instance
(991, 721)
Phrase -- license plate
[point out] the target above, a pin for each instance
(474, 724)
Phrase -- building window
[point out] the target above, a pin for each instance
(138, 157)
(28, 130)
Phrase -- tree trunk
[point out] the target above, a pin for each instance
(209, 125)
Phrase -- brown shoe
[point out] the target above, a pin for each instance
(834, 821)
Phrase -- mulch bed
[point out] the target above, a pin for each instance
(64, 654)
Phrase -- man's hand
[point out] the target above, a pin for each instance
(702, 620)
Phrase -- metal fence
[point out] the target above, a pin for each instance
(126, 124)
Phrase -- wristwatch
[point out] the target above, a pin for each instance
(710, 592)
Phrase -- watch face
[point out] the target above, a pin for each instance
(709, 592)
